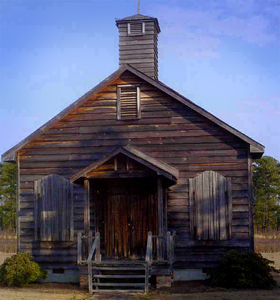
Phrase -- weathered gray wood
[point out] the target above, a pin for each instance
(168, 247)
(97, 253)
(192, 207)
(79, 247)
(95, 248)
(147, 278)
(160, 243)
(53, 209)
(190, 154)
(210, 200)
(229, 199)
(18, 201)
(138, 103)
(251, 200)
(90, 284)
(149, 251)
(86, 206)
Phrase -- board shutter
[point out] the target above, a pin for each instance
(53, 209)
(210, 206)
(128, 102)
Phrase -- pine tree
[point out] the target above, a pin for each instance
(266, 177)
(8, 195)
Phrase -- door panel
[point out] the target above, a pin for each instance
(131, 211)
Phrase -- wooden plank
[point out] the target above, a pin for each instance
(86, 206)
(212, 208)
(192, 207)
(79, 247)
(229, 194)
(251, 200)
(18, 201)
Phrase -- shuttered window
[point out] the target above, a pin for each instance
(137, 28)
(128, 102)
(53, 213)
(210, 204)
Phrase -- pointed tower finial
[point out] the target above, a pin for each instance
(138, 7)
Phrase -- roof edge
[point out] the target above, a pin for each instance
(10, 155)
(256, 149)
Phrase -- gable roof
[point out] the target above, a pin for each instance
(161, 168)
(256, 149)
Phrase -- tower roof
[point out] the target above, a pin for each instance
(139, 17)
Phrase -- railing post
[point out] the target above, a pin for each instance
(79, 247)
(173, 246)
(160, 247)
(90, 277)
(89, 242)
(97, 253)
(168, 246)
(149, 252)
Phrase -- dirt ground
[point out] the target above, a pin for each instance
(274, 257)
(182, 290)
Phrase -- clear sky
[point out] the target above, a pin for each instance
(224, 55)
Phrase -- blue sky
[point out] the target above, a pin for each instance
(224, 55)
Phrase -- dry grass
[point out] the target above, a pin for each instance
(269, 242)
(8, 241)
(44, 291)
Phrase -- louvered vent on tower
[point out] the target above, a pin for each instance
(136, 28)
(128, 102)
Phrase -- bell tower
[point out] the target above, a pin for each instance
(138, 43)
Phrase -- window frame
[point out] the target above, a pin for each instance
(138, 101)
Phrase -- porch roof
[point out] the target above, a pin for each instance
(161, 168)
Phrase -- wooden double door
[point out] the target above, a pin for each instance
(126, 210)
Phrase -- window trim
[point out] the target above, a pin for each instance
(135, 34)
(138, 101)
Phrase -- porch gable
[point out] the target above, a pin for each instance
(153, 165)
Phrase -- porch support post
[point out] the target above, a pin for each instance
(160, 219)
(86, 206)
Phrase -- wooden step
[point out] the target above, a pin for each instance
(118, 268)
(120, 276)
(118, 291)
(118, 284)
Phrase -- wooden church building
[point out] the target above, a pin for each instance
(133, 183)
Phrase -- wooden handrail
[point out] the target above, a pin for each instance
(149, 251)
(165, 246)
(86, 241)
(95, 248)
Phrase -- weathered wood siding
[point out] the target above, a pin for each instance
(167, 131)
(140, 51)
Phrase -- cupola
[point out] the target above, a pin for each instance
(138, 43)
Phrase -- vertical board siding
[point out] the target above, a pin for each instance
(210, 206)
(167, 131)
(53, 209)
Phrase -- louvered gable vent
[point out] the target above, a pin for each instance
(128, 102)
(136, 28)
